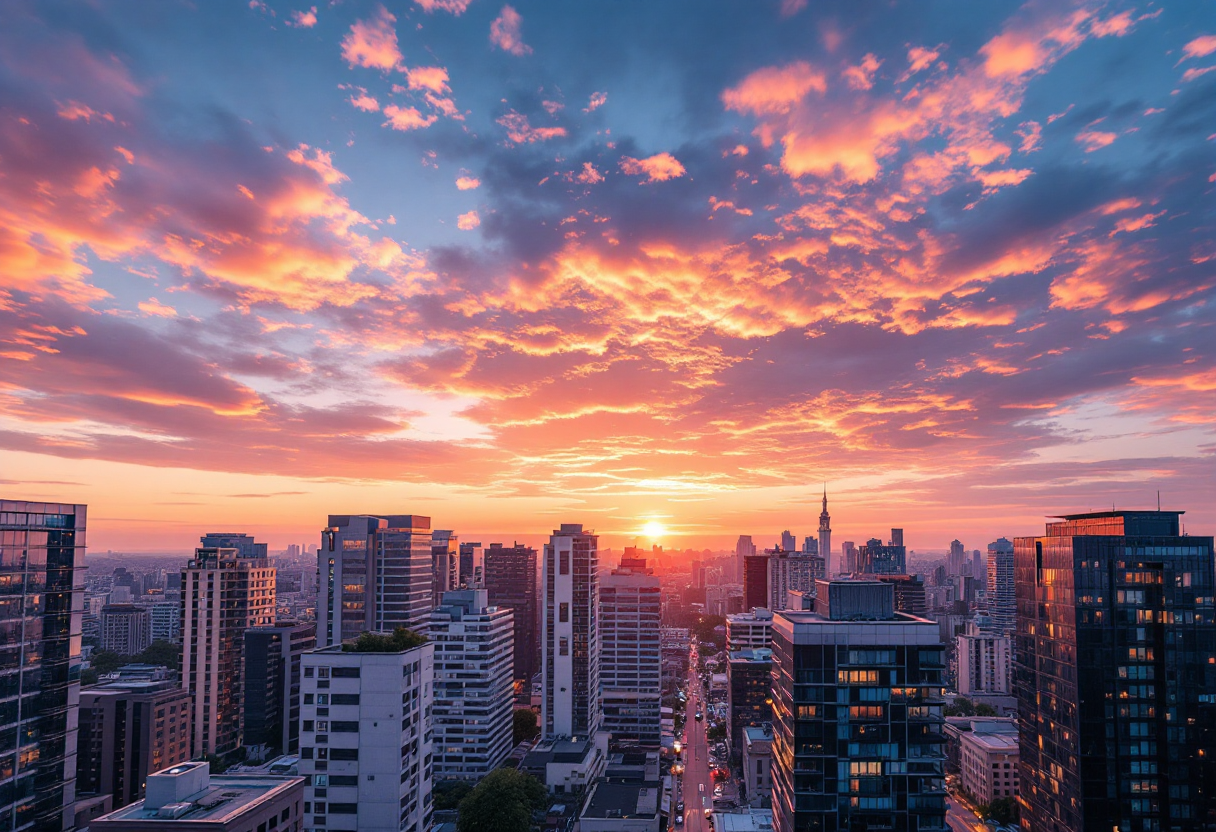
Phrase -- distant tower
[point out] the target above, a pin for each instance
(825, 536)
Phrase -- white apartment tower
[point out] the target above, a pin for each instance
(474, 684)
(570, 644)
(223, 594)
(984, 662)
(630, 656)
(790, 571)
(365, 739)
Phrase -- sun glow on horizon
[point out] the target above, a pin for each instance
(654, 529)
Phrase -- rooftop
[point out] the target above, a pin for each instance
(1001, 743)
(758, 654)
(759, 733)
(558, 751)
(614, 799)
(190, 794)
(756, 820)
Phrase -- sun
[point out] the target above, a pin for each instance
(654, 529)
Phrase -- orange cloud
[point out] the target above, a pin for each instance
(774, 90)
(75, 110)
(1095, 140)
(433, 78)
(861, 77)
(590, 175)
(505, 32)
(598, 99)
(468, 221)
(657, 168)
(372, 43)
(1128, 224)
(303, 20)
(152, 306)
(1032, 136)
(467, 183)
(521, 132)
(407, 118)
(919, 59)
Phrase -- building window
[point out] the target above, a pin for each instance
(563, 612)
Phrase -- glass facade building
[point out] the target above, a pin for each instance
(41, 611)
(631, 661)
(857, 739)
(1115, 673)
(510, 577)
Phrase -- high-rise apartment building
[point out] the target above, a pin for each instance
(375, 575)
(167, 621)
(876, 559)
(954, 562)
(41, 606)
(909, 593)
(125, 628)
(224, 595)
(445, 564)
(1002, 606)
(825, 536)
(129, 729)
(744, 548)
(857, 740)
(245, 545)
(273, 660)
(1114, 670)
(748, 692)
(810, 545)
(749, 630)
(510, 578)
(472, 566)
(630, 654)
(984, 662)
(473, 712)
(788, 542)
(755, 582)
(365, 742)
(570, 633)
(790, 571)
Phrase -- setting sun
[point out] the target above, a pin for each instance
(653, 529)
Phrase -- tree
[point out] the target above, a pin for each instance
(400, 639)
(961, 707)
(984, 710)
(1003, 810)
(525, 725)
(163, 653)
(502, 802)
(447, 794)
(107, 661)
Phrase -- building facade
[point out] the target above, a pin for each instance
(224, 595)
(631, 662)
(749, 630)
(825, 537)
(41, 610)
(790, 571)
(570, 633)
(1114, 669)
(375, 575)
(445, 564)
(755, 582)
(875, 558)
(748, 692)
(125, 628)
(272, 685)
(1002, 604)
(474, 678)
(758, 762)
(984, 662)
(510, 579)
(365, 741)
(167, 621)
(744, 548)
(988, 765)
(857, 740)
(129, 729)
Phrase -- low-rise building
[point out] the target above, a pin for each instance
(564, 765)
(187, 797)
(622, 805)
(751, 820)
(757, 762)
(989, 765)
(749, 630)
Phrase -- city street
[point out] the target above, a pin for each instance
(961, 819)
(698, 787)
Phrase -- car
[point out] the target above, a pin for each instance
(700, 715)
(679, 820)
(680, 807)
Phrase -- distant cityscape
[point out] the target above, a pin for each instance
(394, 676)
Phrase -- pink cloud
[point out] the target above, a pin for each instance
(433, 78)
(505, 32)
(456, 7)
(467, 183)
(774, 90)
(657, 168)
(152, 306)
(597, 100)
(1192, 74)
(363, 101)
(1200, 47)
(1117, 25)
(1128, 224)
(861, 77)
(407, 118)
(1095, 139)
(468, 221)
(303, 20)
(521, 132)
(590, 175)
(920, 59)
(372, 43)
(74, 110)
(552, 107)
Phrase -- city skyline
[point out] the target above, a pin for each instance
(264, 261)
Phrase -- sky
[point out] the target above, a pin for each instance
(513, 265)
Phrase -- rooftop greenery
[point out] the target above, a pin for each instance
(400, 639)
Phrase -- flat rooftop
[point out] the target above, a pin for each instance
(624, 800)
(1001, 743)
(224, 799)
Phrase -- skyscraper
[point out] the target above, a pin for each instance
(825, 536)
(41, 607)
(856, 691)
(789, 571)
(743, 548)
(570, 648)
(810, 545)
(472, 566)
(897, 537)
(1114, 669)
(245, 545)
(445, 564)
(224, 594)
(375, 575)
(272, 684)
(876, 559)
(954, 563)
(473, 711)
(1002, 606)
(755, 582)
(511, 582)
(788, 542)
(630, 655)
(125, 628)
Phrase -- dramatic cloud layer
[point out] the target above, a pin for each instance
(957, 263)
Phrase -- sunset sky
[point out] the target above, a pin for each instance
(610, 263)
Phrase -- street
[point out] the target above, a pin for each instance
(961, 819)
(697, 790)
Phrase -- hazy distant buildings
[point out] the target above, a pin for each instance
(825, 536)
(570, 650)
(511, 582)
(375, 575)
(876, 559)
(472, 566)
(473, 710)
(631, 654)
(1114, 674)
(225, 593)
(788, 542)
(744, 548)
(273, 661)
(857, 740)
(129, 729)
(810, 545)
(909, 593)
(954, 561)
(366, 744)
(1002, 606)
(125, 628)
(41, 595)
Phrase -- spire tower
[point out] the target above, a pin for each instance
(825, 535)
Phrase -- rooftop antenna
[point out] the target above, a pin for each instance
(1158, 499)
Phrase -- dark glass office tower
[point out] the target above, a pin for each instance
(755, 582)
(510, 577)
(272, 684)
(1115, 671)
(41, 611)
